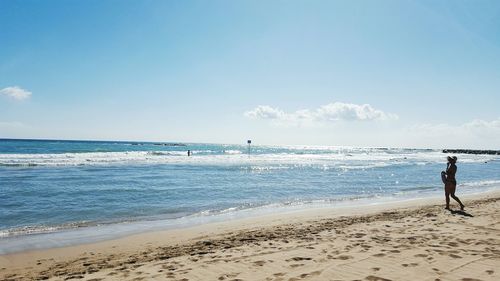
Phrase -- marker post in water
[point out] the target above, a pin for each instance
(249, 142)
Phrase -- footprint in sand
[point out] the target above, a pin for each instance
(379, 255)
(228, 275)
(299, 259)
(376, 278)
(344, 257)
(259, 263)
(436, 270)
(314, 273)
(490, 272)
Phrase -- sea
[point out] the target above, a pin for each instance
(56, 193)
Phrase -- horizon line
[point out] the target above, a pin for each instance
(243, 143)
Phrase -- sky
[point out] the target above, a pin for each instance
(351, 73)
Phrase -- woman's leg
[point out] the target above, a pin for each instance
(451, 190)
(458, 200)
(447, 194)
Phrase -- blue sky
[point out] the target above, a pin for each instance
(369, 73)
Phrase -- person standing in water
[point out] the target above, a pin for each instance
(451, 183)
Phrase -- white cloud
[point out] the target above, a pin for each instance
(482, 125)
(8, 125)
(265, 112)
(16, 93)
(331, 112)
(348, 111)
(473, 134)
(477, 126)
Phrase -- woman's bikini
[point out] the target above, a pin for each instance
(450, 174)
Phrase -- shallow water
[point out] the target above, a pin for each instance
(53, 186)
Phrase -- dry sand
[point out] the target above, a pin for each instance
(415, 240)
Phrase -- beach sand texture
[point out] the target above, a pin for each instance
(409, 243)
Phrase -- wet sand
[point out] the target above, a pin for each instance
(414, 240)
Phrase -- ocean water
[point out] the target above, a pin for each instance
(65, 190)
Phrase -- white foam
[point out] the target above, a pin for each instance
(484, 183)
(349, 159)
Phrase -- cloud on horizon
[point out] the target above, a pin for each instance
(329, 113)
(11, 124)
(474, 126)
(16, 93)
(476, 133)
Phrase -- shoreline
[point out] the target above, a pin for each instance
(147, 249)
(113, 231)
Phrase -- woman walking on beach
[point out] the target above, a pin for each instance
(450, 184)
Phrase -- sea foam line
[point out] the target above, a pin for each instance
(353, 160)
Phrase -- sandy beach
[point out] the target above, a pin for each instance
(412, 240)
(249, 140)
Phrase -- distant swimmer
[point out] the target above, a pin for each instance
(189, 153)
(450, 182)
